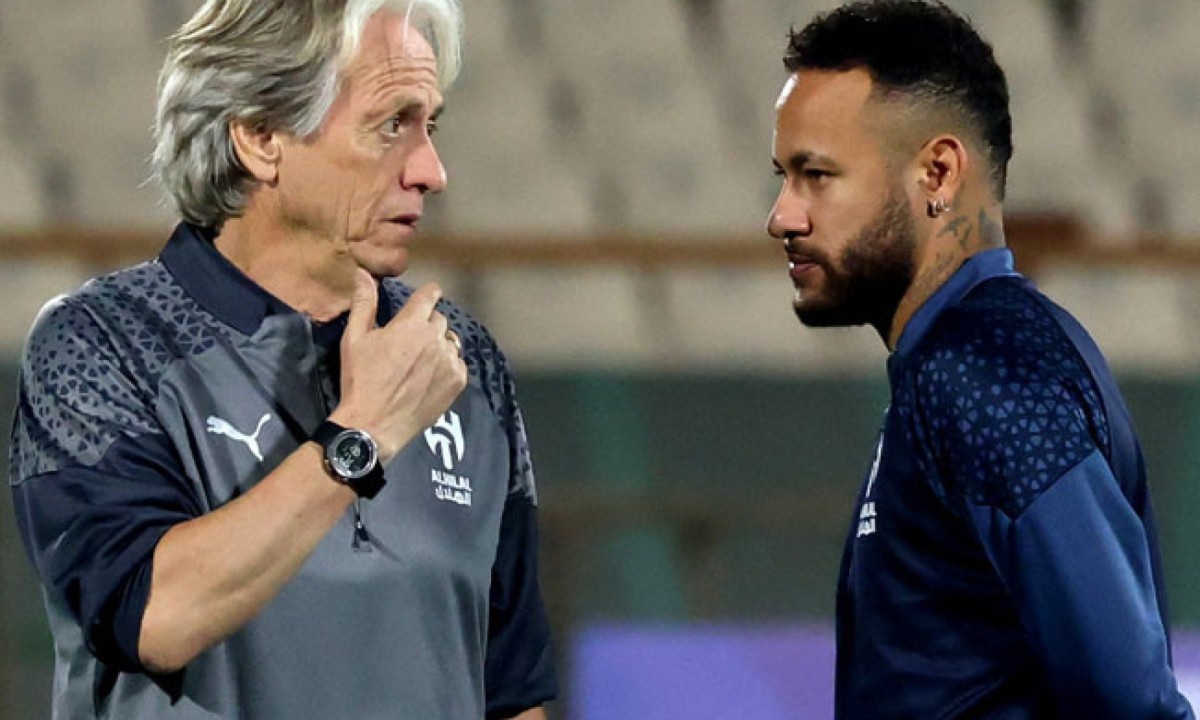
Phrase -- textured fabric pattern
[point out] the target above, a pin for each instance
(93, 363)
(75, 371)
(1005, 399)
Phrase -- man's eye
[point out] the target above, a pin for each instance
(816, 175)
(394, 124)
(431, 127)
(778, 172)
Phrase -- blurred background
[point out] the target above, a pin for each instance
(697, 451)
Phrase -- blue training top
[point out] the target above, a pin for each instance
(1003, 560)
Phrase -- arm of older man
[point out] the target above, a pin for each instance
(212, 574)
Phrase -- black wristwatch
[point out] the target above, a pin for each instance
(351, 457)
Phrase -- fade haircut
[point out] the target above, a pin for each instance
(920, 51)
(273, 65)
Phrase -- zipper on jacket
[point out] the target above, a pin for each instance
(362, 539)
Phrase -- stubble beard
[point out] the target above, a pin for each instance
(875, 272)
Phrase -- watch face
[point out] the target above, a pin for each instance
(352, 454)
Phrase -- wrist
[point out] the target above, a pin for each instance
(389, 438)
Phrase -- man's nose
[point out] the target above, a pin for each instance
(424, 170)
(788, 217)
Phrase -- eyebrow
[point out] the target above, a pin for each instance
(797, 161)
(412, 104)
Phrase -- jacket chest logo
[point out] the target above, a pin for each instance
(219, 426)
(867, 513)
(445, 440)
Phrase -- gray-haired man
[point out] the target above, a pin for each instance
(258, 477)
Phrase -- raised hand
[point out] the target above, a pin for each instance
(400, 378)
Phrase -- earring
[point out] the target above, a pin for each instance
(937, 206)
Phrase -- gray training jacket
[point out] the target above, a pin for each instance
(161, 392)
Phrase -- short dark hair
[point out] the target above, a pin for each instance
(920, 49)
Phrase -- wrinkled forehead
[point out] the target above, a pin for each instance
(391, 37)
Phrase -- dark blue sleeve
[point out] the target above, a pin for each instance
(95, 481)
(91, 533)
(1019, 436)
(1077, 563)
(519, 673)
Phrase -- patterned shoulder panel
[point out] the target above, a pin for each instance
(92, 363)
(489, 369)
(1002, 398)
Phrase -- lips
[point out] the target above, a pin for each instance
(409, 219)
(799, 261)
(797, 269)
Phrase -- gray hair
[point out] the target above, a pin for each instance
(273, 64)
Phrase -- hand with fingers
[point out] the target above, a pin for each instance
(400, 378)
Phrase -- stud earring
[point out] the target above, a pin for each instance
(937, 206)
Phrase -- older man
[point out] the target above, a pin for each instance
(258, 477)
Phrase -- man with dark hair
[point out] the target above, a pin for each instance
(1002, 561)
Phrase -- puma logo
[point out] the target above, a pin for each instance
(217, 426)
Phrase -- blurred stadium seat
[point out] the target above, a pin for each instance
(740, 320)
(649, 129)
(92, 102)
(650, 116)
(1060, 163)
(1145, 58)
(20, 194)
(571, 316)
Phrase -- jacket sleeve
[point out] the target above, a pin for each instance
(1077, 564)
(519, 670)
(95, 482)
(1019, 436)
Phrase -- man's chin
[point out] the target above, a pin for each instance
(391, 263)
(824, 316)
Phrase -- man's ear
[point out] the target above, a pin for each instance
(942, 164)
(258, 150)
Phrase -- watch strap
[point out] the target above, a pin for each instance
(326, 432)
